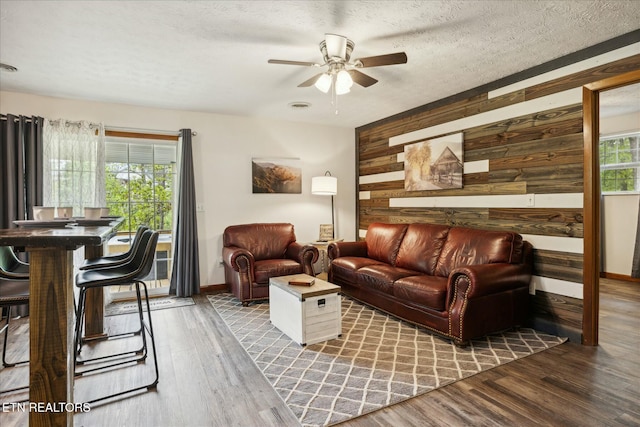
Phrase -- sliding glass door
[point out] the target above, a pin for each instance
(140, 179)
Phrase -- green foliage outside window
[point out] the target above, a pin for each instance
(142, 194)
(620, 164)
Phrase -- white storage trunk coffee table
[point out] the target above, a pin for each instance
(307, 314)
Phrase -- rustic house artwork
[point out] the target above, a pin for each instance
(433, 164)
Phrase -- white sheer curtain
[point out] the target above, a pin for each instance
(73, 165)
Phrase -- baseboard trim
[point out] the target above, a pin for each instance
(623, 277)
(549, 326)
(221, 287)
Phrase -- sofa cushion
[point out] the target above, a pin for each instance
(353, 262)
(264, 241)
(267, 268)
(421, 247)
(381, 276)
(346, 268)
(469, 246)
(383, 241)
(430, 291)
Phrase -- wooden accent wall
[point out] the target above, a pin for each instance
(536, 154)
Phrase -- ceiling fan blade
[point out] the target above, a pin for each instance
(311, 81)
(377, 61)
(361, 78)
(285, 62)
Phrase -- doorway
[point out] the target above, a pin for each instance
(592, 204)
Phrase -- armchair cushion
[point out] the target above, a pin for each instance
(253, 253)
(264, 241)
(267, 268)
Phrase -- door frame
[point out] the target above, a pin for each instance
(591, 206)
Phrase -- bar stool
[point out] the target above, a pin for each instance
(132, 272)
(135, 262)
(10, 266)
(12, 293)
(117, 259)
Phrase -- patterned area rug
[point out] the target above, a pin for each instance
(377, 362)
(127, 307)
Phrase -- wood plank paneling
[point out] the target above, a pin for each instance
(563, 313)
(567, 216)
(540, 154)
(572, 172)
(385, 190)
(545, 124)
(582, 78)
(381, 165)
(524, 149)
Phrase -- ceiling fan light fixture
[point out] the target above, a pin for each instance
(323, 83)
(343, 82)
(336, 46)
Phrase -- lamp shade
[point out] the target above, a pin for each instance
(323, 83)
(324, 185)
(343, 82)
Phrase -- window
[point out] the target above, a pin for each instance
(139, 182)
(620, 163)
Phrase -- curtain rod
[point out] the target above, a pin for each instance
(17, 118)
(71, 122)
(115, 128)
(151, 131)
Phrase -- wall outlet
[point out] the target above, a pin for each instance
(531, 200)
(199, 207)
(220, 260)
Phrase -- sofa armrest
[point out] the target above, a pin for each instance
(304, 254)
(483, 293)
(486, 279)
(238, 259)
(340, 249)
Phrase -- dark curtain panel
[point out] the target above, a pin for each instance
(21, 167)
(635, 267)
(20, 172)
(185, 277)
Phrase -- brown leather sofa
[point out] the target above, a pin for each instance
(460, 282)
(253, 253)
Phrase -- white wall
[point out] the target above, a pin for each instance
(222, 152)
(620, 220)
(619, 211)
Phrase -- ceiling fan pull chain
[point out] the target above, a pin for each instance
(334, 94)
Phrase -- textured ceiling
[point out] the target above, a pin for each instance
(211, 56)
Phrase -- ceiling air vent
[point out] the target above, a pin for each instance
(299, 105)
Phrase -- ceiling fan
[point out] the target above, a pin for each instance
(342, 72)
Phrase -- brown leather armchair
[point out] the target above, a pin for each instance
(253, 253)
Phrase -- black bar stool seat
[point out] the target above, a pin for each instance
(117, 259)
(12, 293)
(133, 272)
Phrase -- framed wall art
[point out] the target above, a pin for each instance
(326, 233)
(276, 175)
(435, 164)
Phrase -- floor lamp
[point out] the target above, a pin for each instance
(326, 185)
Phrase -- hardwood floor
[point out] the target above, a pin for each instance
(207, 380)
